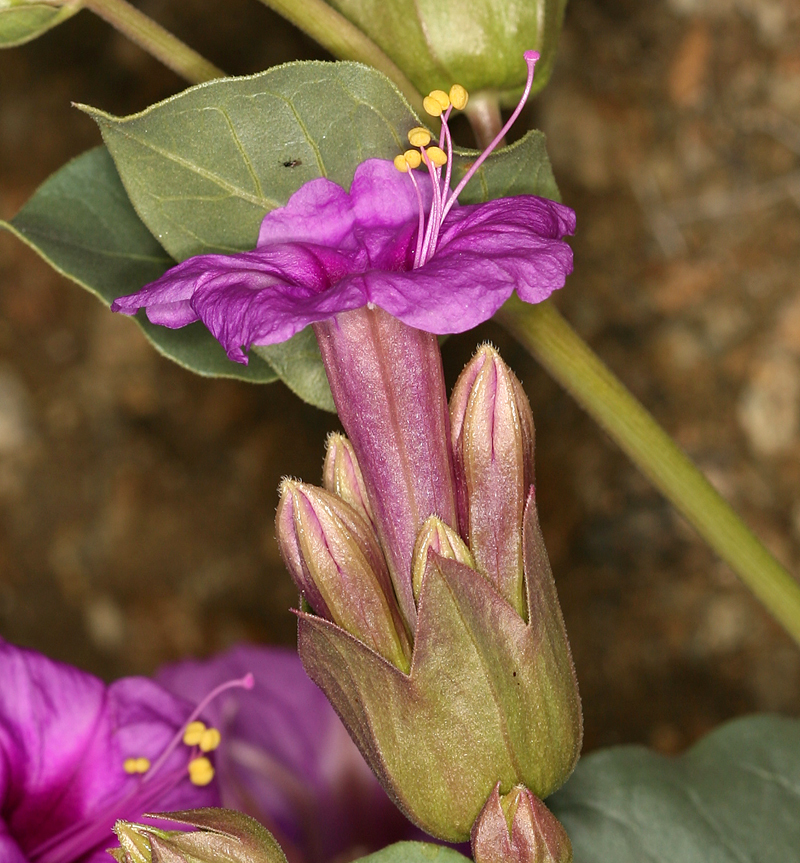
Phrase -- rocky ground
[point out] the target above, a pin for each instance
(136, 500)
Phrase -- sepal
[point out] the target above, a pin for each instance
(489, 695)
(219, 836)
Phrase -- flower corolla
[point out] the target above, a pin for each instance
(393, 241)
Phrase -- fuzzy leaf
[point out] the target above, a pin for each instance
(414, 852)
(24, 20)
(733, 797)
(81, 222)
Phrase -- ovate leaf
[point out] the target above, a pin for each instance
(81, 222)
(521, 169)
(24, 20)
(734, 797)
(414, 852)
(204, 167)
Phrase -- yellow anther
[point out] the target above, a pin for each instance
(136, 765)
(401, 164)
(200, 771)
(419, 137)
(441, 97)
(413, 158)
(432, 106)
(437, 156)
(459, 97)
(194, 733)
(210, 740)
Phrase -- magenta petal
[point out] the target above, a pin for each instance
(64, 737)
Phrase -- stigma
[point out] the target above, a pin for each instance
(438, 159)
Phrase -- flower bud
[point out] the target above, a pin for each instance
(337, 564)
(492, 432)
(341, 475)
(221, 836)
(518, 828)
(439, 537)
(475, 43)
(491, 695)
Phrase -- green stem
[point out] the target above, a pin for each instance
(545, 333)
(155, 40)
(344, 40)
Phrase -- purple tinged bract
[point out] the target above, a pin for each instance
(329, 251)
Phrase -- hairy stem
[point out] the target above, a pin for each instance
(154, 39)
(344, 40)
(548, 337)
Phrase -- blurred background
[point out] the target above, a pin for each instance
(137, 500)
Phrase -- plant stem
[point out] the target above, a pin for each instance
(483, 113)
(546, 335)
(344, 40)
(155, 40)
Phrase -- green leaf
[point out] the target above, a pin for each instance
(414, 852)
(24, 20)
(299, 364)
(204, 167)
(81, 222)
(521, 169)
(733, 797)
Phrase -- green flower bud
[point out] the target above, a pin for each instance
(435, 535)
(492, 433)
(341, 475)
(220, 836)
(490, 695)
(475, 43)
(336, 562)
(518, 828)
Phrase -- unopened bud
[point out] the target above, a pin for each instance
(435, 535)
(492, 433)
(221, 836)
(337, 564)
(518, 828)
(341, 474)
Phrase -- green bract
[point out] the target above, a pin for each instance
(23, 20)
(476, 43)
(489, 697)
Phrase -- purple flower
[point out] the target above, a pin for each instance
(393, 241)
(70, 746)
(286, 759)
(65, 739)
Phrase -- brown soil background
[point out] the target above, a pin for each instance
(136, 500)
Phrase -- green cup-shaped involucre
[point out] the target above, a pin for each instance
(475, 43)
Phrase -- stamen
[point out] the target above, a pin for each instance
(194, 733)
(530, 59)
(210, 740)
(419, 137)
(437, 156)
(75, 841)
(458, 97)
(136, 765)
(413, 158)
(436, 102)
(439, 104)
(200, 771)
